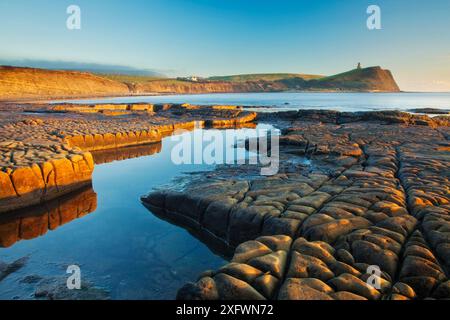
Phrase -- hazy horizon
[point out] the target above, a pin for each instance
(212, 38)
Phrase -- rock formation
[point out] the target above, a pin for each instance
(42, 158)
(375, 194)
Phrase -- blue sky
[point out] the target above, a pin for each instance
(216, 37)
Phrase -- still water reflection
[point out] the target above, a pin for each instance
(105, 230)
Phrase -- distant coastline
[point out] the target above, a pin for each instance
(30, 84)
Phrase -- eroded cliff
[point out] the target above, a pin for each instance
(28, 83)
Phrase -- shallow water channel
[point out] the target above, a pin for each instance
(119, 245)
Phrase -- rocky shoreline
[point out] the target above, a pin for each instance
(354, 190)
(376, 194)
(45, 154)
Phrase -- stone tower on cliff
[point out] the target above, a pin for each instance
(359, 66)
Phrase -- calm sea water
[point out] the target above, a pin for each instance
(120, 245)
(290, 100)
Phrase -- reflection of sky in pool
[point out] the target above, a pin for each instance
(120, 246)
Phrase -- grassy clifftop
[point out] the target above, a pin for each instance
(264, 77)
(367, 79)
(373, 79)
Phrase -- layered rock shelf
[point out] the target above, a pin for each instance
(30, 185)
(45, 154)
(94, 142)
(375, 193)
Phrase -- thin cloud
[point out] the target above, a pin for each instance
(82, 66)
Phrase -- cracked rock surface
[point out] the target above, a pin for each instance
(45, 150)
(376, 193)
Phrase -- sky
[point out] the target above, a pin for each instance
(222, 37)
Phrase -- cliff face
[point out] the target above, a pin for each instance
(368, 79)
(373, 79)
(187, 87)
(28, 83)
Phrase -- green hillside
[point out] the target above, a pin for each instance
(130, 78)
(364, 79)
(264, 77)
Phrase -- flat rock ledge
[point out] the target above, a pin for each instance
(376, 194)
(45, 154)
(30, 185)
